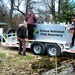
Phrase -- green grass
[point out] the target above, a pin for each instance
(2, 55)
(27, 57)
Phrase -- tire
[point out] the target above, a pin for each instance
(38, 48)
(53, 50)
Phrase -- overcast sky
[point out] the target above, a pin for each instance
(21, 6)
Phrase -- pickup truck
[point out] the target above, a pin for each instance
(8, 31)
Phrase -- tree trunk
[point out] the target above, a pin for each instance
(27, 1)
(11, 12)
(53, 11)
(59, 7)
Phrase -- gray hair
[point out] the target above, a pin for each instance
(21, 25)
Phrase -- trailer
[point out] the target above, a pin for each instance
(53, 39)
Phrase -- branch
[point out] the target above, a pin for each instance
(20, 11)
(47, 3)
(17, 6)
(2, 13)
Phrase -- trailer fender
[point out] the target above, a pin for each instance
(38, 48)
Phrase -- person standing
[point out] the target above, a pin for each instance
(72, 29)
(21, 35)
(30, 19)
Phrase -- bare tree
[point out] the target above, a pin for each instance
(29, 4)
(59, 7)
(3, 11)
(16, 6)
(50, 5)
(11, 11)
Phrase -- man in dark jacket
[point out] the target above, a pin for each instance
(30, 19)
(73, 30)
(21, 35)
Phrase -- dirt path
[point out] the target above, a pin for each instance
(11, 50)
(7, 50)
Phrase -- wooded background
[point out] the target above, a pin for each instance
(13, 12)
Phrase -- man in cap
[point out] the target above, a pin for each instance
(21, 36)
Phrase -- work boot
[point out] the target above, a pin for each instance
(19, 53)
(24, 54)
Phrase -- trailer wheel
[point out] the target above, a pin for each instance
(38, 48)
(53, 50)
